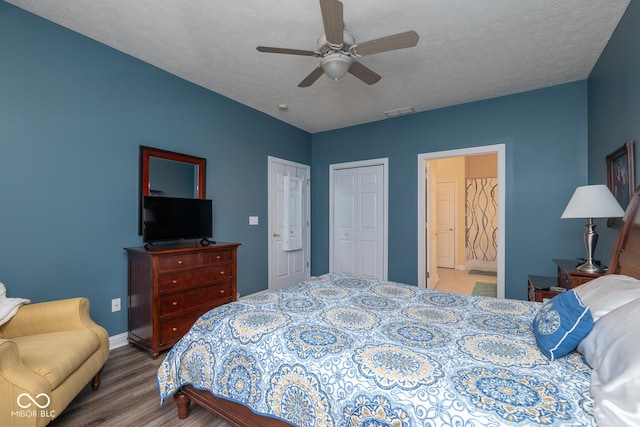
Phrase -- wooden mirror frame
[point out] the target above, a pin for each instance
(147, 152)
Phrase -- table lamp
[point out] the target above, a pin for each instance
(592, 201)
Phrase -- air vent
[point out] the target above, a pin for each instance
(399, 112)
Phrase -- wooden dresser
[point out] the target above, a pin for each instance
(170, 287)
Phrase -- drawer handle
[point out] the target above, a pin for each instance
(179, 262)
(174, 303)
(174, 281)
(174, 329)
(222, 272)
(217, 256)
(222, 291)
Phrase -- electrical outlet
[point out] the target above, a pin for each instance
(115, 305)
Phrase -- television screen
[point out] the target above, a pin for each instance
(172, 218)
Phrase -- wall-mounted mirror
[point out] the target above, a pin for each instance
(170, 174)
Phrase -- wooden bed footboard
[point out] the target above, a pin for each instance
(234, 413)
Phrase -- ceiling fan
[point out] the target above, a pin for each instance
(338, 50)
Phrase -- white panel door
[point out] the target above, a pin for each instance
(345, 217)
(358, 215)
(288, 231)
(432, 223)
(446, 220)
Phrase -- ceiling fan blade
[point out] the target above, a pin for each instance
(385, 44)
(332, 19)
(364, 73)
(286, 51)
(311, 78)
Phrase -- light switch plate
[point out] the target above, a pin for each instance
(253, 220)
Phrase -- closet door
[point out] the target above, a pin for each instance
(358, 221)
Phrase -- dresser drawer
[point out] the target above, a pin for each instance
(569, 281)
(170, 263)
(217, 257)
(569, 276)
(172, 329)
(188, 279)
(564, 279)
(206, 296)
(577, 281)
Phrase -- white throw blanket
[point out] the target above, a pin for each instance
(9, 306)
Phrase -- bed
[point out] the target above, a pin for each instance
(346, 351)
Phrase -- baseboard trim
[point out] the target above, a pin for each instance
(117, 341)
(253, 294)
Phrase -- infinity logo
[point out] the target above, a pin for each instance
(34, 401)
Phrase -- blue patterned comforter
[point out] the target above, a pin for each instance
(342, 351)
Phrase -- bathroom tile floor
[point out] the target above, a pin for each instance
(459, 281)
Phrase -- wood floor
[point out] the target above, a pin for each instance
(128, 396)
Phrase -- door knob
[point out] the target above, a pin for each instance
(275, 235)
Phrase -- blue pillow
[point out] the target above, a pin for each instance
(561, 324)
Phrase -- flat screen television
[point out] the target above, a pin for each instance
(173, 218)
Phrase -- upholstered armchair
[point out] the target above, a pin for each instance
(48, 353)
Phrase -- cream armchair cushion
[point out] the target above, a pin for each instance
(48, 353)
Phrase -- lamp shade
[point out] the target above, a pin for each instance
(593, 201)
(336, 65)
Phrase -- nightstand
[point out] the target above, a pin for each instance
(540, 287)
(569, 276)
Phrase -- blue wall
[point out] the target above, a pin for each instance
(73, 113)
(614, 107)
(545, 133)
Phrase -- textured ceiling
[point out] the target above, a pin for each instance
(468, 50)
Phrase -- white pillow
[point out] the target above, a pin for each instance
(612, 349)
(607, 293)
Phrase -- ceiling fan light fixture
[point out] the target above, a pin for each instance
(336, 65)
(338, 49)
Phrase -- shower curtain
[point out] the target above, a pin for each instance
(482, 223)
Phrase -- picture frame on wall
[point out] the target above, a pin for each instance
(620, 179)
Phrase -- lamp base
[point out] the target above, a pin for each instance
(590, 267)
(590, 242)
(580, 261)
